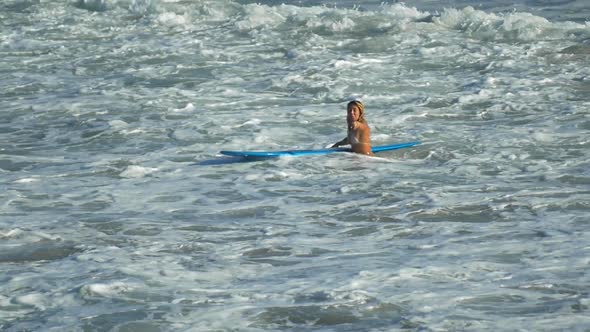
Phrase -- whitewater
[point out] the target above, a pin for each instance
(118, 213)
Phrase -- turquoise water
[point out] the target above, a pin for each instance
(119, 214)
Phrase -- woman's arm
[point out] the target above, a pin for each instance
(339, 143)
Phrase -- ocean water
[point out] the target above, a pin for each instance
(119, 214)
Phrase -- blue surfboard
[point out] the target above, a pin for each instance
(295, 153)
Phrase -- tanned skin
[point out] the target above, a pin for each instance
(359, 133)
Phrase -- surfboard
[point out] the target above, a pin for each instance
(296, 153)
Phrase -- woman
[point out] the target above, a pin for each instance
(359, 133)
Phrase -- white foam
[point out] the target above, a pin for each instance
(4, 301)
(401, 11)
(113, 289)
(345, 24)
(275, 175)
(260, 139)
(259, 16)
(516, 25)
(28, 235)
(187, 108)
(118, 124)
(135, 171)
(173, 19)
(380, 137)
(133, 131)
(19, 42)
(36, 300)
(252, 122)
(543, 136)
(27, 180)
(482, 94)
(13, 233)
(142, 7)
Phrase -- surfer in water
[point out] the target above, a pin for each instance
(359, 133)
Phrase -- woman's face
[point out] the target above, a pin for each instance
(353, 112)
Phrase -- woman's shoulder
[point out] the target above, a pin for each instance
(361, 125)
